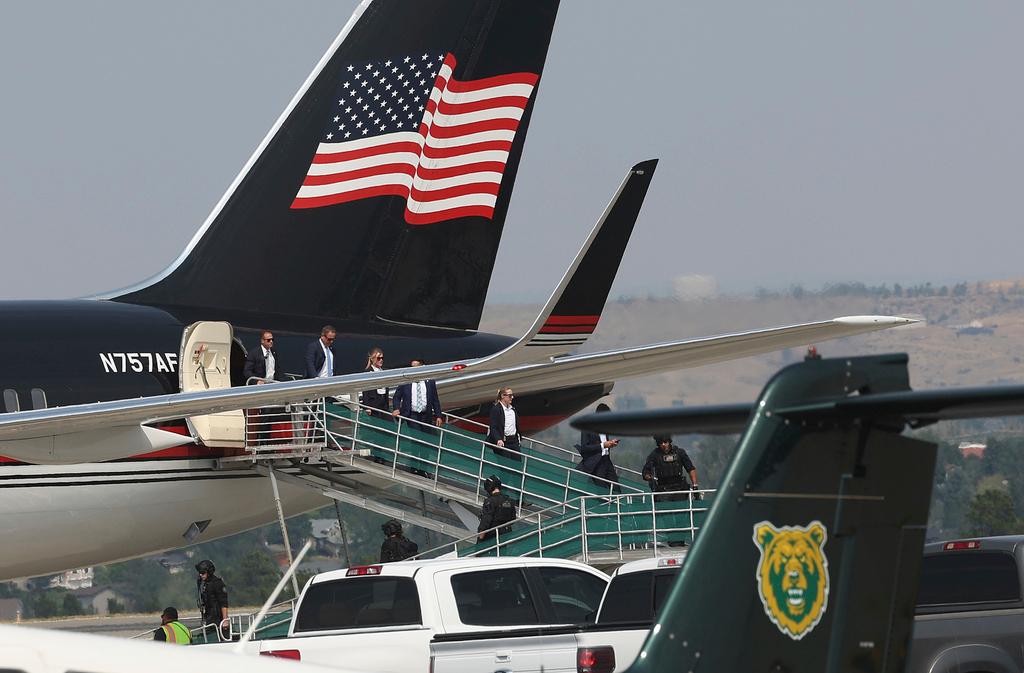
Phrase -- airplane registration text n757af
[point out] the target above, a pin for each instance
(122, 363)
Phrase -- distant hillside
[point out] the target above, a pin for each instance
(972, 336)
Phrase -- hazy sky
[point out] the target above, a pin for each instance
(801, 142)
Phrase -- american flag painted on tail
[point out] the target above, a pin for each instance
(565, 330)
(405, 127)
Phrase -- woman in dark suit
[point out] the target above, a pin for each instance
(376, 399)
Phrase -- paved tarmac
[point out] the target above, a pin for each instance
(121, 626)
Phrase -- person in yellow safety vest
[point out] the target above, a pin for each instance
(171, 630)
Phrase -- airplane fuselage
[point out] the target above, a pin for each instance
(61, 516)
(83, 351)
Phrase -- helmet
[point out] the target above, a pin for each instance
(491, 483)
(205, 566)
(658, 439)
(391, 527)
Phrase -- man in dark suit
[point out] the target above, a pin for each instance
(596, 452)
(320, 360)
(261, 366)
(418, 401)
(503, 429)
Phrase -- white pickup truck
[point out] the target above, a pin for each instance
(379, 618)
(631, 602)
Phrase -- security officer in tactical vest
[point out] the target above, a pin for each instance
(667, 467)
(498, 509)
(171, 630)
(213, 597)
(396, 547)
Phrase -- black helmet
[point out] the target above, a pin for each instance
(205, 566)
(391, 527)
(658, 439)
(491, 483)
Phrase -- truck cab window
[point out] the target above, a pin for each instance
(628, 599)
(354, 603)
(968, 577)
(494, 598)
(575, 595)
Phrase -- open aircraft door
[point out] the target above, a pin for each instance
(206, 365)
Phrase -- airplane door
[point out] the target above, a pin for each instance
(205, 364)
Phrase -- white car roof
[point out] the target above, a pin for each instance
(675, 560)
(409, 568)
(51, 651)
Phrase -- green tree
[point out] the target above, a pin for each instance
(252, 579)
(991, 513)
(70, 606)
(43, 603)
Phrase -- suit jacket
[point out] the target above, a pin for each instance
(256, 364)
(593, 462)
(372, 398)
(496, 428)
(402, 401)
(315, 359)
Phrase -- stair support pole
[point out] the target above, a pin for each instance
(284, 528)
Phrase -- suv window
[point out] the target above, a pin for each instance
(968, 577)
(575, 595)
(359, 602)
(494, 598)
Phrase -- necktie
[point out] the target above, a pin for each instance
(330, 363)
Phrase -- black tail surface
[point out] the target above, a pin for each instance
(381, 192)
(809, 558)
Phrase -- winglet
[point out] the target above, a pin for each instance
(573, 310)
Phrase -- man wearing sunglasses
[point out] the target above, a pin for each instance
(261, 366)
(320, 360)
(503, 430)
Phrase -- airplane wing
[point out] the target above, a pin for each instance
(572, 370)
(87, 432)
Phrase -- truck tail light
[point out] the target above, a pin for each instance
(363, 570)
(283, 654)
(595, 660)
(961, 544)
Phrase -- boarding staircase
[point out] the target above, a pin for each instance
(351, 453)
(354, 454)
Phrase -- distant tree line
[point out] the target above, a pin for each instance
(884, 291)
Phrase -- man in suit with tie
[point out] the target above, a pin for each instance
(261, 366)
(418, 401)
(320, 360)
(595, 448)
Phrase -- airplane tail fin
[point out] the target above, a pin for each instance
(810, 554)
(382, 190)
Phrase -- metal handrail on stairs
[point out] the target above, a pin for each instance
(484, 455)
(590, 537)
(533, 443)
